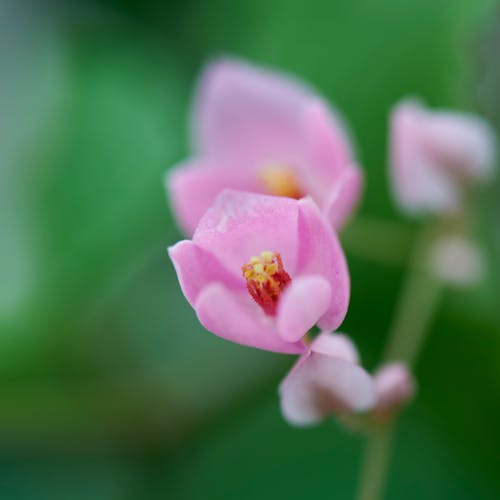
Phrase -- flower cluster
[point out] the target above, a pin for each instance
(272, 180)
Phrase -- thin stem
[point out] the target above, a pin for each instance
(418, 301)
(375, 463)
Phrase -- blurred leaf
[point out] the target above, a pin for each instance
(31, 88)
(98, 190)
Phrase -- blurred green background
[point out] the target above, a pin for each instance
(109, 388)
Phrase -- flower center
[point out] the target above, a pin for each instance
(266, 279)
(280, 181)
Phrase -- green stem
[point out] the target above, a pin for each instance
(417, 303)
(375, 463)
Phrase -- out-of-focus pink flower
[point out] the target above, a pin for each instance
(261, 131)
(457, 261)
(262, 270)
(326, 381)
(394, 387)
(435, 155)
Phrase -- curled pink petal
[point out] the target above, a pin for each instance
(233, 317)
(328, 145)
(331, 178)
(197, 268)
(343, 198)
(319, 252)
(394, 387)
(303, 302)
(194, 186)
(321, 385)
(336, 345)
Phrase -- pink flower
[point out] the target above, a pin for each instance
(394, 387)
(325, 381)
(262, 270)
(260, 131)
(328, 380)
(435, 154)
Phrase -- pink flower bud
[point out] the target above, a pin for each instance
(394, 387)
(435, 154)
(326, 381)
(457, 261)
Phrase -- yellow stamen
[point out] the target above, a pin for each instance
(266, 279)
(280, 181)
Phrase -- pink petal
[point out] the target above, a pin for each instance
(320, 385)
(329, 147)
(240, 225)
(236, 318)
(193, 187)
(418, 183)
(394, 386)
(301, 305)
(330, 177)
(336, 345)
(249, 114)
(343, 198)
(461, 142)
(320, 253)
(196, 268)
